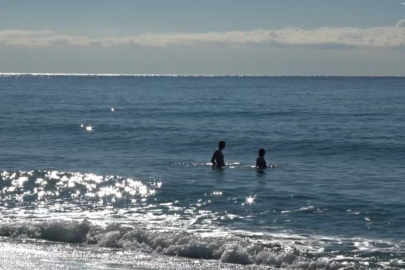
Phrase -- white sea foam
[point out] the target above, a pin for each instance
(223, 247)
(27, 255)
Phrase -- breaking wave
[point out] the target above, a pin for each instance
(291, 252)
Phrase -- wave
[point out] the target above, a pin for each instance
(283, 252)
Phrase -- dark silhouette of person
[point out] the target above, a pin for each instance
(260, 161)
(218, 157)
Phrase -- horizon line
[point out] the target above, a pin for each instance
(16, 74)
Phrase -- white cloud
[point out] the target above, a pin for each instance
(380, 37)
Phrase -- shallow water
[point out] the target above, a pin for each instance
(333, 198)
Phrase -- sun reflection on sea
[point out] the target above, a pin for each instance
(49, 187)
(55, 194)
(250, 200)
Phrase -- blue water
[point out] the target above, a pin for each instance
(338, 146)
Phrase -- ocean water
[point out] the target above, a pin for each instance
(113, 172)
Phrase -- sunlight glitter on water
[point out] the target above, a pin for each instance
(31, 188)
(250, 200)
(54, 194)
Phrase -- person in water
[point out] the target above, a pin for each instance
(260, 161)
(218, 157)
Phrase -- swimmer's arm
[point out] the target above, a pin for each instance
(214, 156)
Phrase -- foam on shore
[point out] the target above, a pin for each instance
(226, 248)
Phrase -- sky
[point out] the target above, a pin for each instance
(222, 37)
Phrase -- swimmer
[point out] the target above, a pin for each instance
(260, 161)
(218, 157)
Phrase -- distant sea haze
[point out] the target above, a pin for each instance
(185, 75)
(122, 161)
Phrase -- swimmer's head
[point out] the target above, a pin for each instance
(262, 152)
(221, 145)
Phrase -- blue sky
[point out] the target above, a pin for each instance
(266, 37)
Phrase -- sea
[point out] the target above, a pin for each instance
(114, 172)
